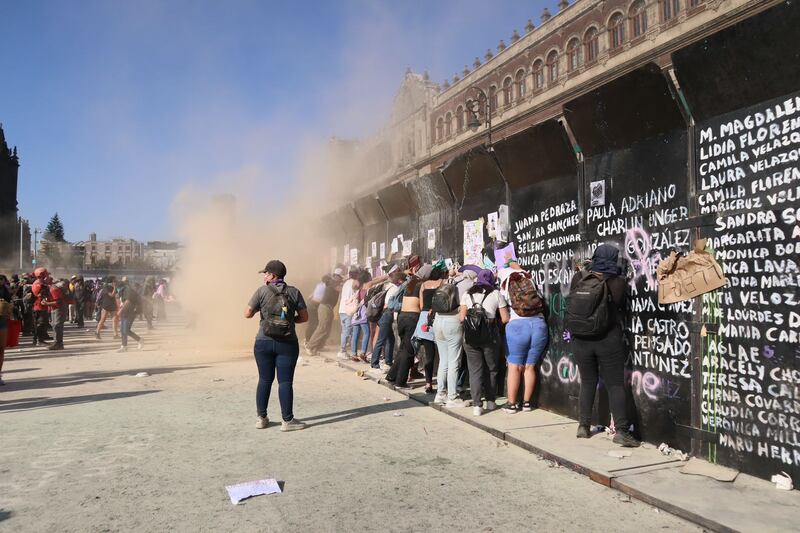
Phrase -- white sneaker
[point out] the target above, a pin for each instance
(1, 381)
(453, 404)
(140, 345)
(440, 399)
(122, 349)
(342, 355)
(477, 411)
(490, 406)
(262, 422)
(292, 425)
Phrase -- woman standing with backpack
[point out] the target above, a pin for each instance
(595, 306)
(276, 348)
(480, 306)
(526, 335)
(424, 331)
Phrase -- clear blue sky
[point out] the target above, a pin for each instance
(115, 106)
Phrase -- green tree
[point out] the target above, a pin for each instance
(55, 229)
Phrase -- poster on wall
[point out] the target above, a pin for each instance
(346, 255)
(597, 190)
(491, 225)
(383, 250)
(503, 223)
(395, 246)
(374, 249)
(407, 248)
(354, 256)
(473, 242)
(431, 239)
(503, 255)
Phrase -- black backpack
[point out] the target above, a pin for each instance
(587, 313)
(375, 306)
(476, 325)
(445, 299)
(279, 314)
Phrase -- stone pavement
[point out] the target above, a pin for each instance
(747, 504)
(88, 446)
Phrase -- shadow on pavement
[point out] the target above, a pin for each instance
(78, 378)
(350, 414)
(20, 370)
(43, 402)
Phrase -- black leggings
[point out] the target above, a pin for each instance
(431, 355)
(406, 324)
(608, 355)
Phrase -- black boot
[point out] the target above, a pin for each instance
(583, 432)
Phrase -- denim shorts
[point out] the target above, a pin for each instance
(526, 340)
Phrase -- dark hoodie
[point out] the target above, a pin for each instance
(604, 261)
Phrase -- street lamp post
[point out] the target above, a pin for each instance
(36, 233)
(19, 222)
(474, 109)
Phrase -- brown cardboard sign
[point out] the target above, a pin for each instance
(684, 277)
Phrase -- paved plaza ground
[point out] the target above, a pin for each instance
(87, 446)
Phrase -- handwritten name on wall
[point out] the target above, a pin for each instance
(644, 226)
(749, 176)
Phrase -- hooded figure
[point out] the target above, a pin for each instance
(485, 278)
(604, 260)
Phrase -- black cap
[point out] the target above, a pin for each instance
(275, 267)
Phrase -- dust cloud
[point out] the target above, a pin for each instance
(232, 229)
(226, 244)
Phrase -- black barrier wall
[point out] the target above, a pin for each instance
(659, 165)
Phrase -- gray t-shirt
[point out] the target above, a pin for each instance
(260, 302)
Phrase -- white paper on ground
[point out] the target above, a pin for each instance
(243, 491)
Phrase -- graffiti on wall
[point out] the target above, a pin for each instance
(749, 176)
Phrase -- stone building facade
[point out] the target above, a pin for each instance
(10, 224)
(646, 125)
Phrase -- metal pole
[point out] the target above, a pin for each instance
(35, 246)
(20, 244)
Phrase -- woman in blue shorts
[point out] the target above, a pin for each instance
(526, 340)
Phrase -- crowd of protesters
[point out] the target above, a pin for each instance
(469, 324)
(40, 305)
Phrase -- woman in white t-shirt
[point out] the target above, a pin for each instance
(483, 358)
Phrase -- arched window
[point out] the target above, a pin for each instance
(574, 54)
(508, 91)
(493, 99)
(460, 119)
(638, 16)
(669, 9)
(538, 74)
(482, 104)
(616, 30)
(552, 66)
(448, 124)
(519, 80)
(440, 129)
(591, 44)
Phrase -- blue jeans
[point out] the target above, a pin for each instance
(272, 355)
(125, 330)
(385, 337)
(526, 339)
(449, 335)
(345, 320)
(364, 329)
